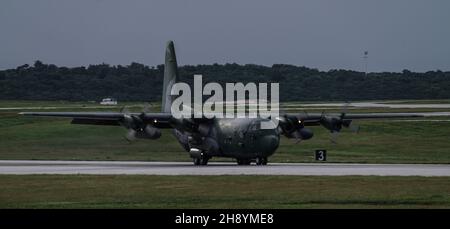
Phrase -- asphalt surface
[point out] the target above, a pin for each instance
(186, 168)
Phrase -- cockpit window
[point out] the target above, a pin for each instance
(255, 126)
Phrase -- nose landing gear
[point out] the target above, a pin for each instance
(201, 160)
(199, 157)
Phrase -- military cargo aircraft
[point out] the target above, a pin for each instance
(202, 138)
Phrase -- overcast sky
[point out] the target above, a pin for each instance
(323, 34)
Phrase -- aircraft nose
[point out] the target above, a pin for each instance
(270, 143)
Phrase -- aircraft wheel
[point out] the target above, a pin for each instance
(204, 161)
(261, 160)
(201, 160)
(264, 161)
(197, 161)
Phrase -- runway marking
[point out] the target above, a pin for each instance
(22, 167)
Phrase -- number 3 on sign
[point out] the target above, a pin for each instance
(321, 155)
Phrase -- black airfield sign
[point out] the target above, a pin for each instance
(321, 155)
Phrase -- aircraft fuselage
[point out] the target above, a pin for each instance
(240, 138)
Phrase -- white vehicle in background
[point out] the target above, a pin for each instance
(108, 101)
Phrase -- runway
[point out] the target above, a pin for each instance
(22, 167)
(379, 105)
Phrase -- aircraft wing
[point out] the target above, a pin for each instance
(158, 120)
(292, 125)
(316, 117)
(335, 121)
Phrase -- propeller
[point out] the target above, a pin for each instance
(130, 135)
(335, 123)
(147, 107)
(136, 127)
(349, 123)
(334, 137)
(124, 110)
(297, 136)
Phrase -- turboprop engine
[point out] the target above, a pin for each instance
(138, 129)
(294, 128)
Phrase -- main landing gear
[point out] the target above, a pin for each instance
(258, 161)
(261, 161)
(200, 160)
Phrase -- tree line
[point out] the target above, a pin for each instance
(138, 82)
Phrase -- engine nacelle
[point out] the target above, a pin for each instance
(334, 124)
(148, 132)
(304, 134)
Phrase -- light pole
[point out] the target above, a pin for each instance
(366, 57)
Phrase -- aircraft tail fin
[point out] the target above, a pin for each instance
(170, 77)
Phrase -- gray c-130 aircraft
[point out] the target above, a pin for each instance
(239, 138)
